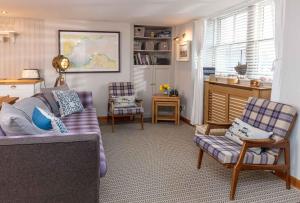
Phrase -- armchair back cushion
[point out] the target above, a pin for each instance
(269, 116)
(116, 89)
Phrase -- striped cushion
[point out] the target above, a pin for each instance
(269, 116)
(227, 151)
(129, 110)
(120, 89)
(84, 123)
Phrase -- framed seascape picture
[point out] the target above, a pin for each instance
(183, 51)
(90, 51)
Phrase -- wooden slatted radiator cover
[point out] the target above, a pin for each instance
(225, 102)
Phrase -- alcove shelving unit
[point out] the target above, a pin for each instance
(152, 53)
(152, 45)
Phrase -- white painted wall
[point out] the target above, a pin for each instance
(184, 73)
(95, 82)
(26, 52)
(290, 91)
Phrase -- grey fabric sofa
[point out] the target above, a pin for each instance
(55, 168)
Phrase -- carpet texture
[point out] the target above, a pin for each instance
(159, 165)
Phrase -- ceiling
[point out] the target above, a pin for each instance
(169, 12)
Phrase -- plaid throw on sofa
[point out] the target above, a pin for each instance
(260, 113)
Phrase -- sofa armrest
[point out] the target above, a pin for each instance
(86, 99)
(50, 168)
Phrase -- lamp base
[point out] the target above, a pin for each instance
(60, 80)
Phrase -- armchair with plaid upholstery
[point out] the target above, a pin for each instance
(265, 115)
(117, 89)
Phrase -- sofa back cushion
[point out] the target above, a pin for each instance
(2, 133)
(48, 94)
(15, 122)
(116, 89)
(28, 104)
(269, 116)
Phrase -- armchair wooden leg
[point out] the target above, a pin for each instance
(234, 181)
(112, 123)
(107, 119)
(142, 121)
(287, 166)
(200, 158)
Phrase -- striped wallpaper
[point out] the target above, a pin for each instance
(28, 49)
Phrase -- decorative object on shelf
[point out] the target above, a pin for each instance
(163, 45)
(139, 31)
(255, 83)
(60, 63)
(173, 92)
(241, 68)
(165, 88)
(183, 51)
(90, 51)
(232, 80)
(207, 71)
(31, 73)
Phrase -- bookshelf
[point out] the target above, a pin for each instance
(152, 45)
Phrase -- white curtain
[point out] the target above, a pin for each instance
(197, 47)
(277, 64)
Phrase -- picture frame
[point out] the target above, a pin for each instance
(183, 50)
(90, 51)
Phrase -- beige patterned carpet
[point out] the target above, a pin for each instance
(159, 165)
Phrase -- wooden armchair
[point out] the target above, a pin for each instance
(265, 115)
(117, 89)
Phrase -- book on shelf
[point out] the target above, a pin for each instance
(143, 59)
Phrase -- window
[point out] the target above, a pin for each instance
(245, 35)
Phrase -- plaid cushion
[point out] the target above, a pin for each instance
(227, 151)
(129, 110)
(84, 123)
(269, 116)
(120, 89)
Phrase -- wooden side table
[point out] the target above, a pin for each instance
(8, 99)
(164, 100)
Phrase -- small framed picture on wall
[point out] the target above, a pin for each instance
(183, 51)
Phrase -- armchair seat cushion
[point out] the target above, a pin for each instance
(227, 151)
(128, 110)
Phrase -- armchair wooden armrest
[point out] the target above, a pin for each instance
(216, 124)
(266, 143)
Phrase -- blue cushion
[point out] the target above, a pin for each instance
(41, 119)
(47, 121)
(68, 101)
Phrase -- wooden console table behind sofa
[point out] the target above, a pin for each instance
(225, 102)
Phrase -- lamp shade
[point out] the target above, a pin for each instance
(60, 63)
